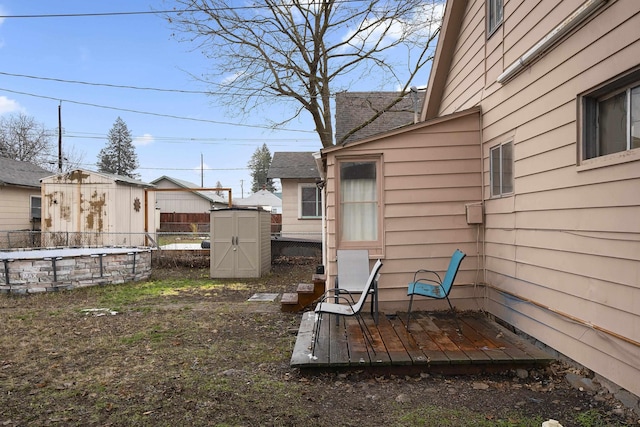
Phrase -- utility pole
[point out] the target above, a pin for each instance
(60, 137)
(242, 188)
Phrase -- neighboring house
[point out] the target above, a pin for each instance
(534, 111)
(82, 207)
(263, 199)
(355, 109)
(186, 201)
(301, 197)
(20, 194)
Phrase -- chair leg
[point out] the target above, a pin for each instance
(409, 311)
(454, 315)
(316, 333)
(365, 331)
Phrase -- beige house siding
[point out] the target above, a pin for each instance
(563, 252)
(465, 82)
(16, 208)
(292, 225)
(430, 172)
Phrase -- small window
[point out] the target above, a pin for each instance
(310, 201)
(35, 208)
(494, 15)
(501, 169)
(359, 208)
(611, 118)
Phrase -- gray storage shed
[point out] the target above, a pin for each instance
(240, 243)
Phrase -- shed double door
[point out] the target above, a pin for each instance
(235, 248)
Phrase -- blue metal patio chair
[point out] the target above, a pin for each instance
(432, 286)
(351, 308)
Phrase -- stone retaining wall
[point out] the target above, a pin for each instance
(58, 273)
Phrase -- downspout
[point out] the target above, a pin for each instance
(317, 156)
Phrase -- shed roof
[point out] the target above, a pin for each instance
(121, 179)
(208, 195)
(23, 174)
(294, 165)
(260, 198)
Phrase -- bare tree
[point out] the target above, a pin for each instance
(71, 159)
(24, 139)
(306, 50)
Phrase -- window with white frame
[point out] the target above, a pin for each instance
(36, 208)
(494, 15)
(611, 118)
(359, 207)
(501, 170)
(310, 201)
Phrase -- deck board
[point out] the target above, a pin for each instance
(430, 348)
(414, 352)
(358, 353)
(475, 354)
(338, 346)
(398, 354)
(433, 342)
(302, 348)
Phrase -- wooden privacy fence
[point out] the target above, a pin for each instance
(172, 222)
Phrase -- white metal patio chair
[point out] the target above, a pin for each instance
(353, 271)
(348, 309)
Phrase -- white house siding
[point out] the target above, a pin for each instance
(16, 209)
(430, 173)
(292, 225)
(180, 201)
(565, 247)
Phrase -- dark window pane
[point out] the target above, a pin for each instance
(310, 202)
(612, 124)
(635, 117)
(507, 168)
(495, 171)
(494, 12)
(36, 204)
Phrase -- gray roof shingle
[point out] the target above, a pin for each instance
(355, 108)
(293, 165)
(24, 174)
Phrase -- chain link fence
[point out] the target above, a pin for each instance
(169, 248)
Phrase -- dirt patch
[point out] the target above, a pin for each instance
(182, 349)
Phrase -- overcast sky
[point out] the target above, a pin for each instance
(135, 51)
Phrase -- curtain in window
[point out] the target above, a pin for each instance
(358, 198)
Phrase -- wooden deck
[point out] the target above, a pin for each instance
(432, 344)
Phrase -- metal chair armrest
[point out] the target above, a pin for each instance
(337, 298)
(415, 276)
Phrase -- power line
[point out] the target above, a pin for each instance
(198, 92)
(171, 116)
(147, 12)
(204, 141)
(98, 14)
(111, 85)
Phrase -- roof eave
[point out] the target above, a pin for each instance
(451, 23)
